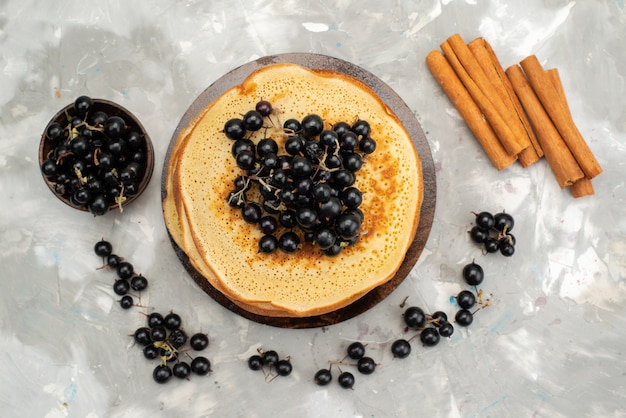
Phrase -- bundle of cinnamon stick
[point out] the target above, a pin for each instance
(518, 114)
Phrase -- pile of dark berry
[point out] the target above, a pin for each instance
(355, 356)
(306, 193)
(432, 327)
(97, 161)
(428, 327)
(270, 363)
(163, 337)
(493, 232)
(127, 279)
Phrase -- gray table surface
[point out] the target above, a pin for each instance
(550, 345)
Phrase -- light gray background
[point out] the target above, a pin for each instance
(551, 344)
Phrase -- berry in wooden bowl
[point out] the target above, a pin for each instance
(96, 156)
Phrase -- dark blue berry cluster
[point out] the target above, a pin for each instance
(493, 232)
(429, 327)
(97, 160)
(303, 185)
(355, 356)
(127, 279)
(270, 364)
(162, 337)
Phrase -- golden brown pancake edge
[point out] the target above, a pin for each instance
(195, 244)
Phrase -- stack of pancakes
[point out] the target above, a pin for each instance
(223, 248)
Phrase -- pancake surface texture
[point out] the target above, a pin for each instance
(224, 248)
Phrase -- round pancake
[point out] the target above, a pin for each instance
(223, 247)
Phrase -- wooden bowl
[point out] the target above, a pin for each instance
(47, 147)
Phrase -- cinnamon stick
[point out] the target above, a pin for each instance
(582, 187)
(561, 160)
(469, 110)
(547, 94)
(500, 126)
(485, 94)
(489, 62)
(555, 78)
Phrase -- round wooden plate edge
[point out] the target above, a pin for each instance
(427, 211)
